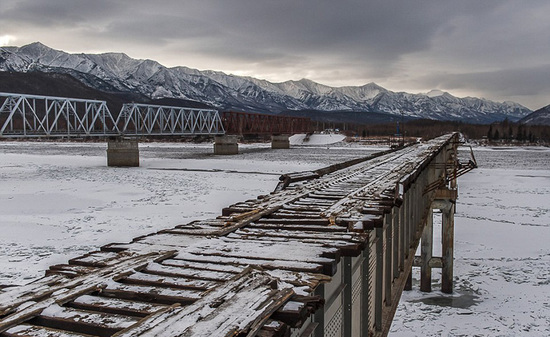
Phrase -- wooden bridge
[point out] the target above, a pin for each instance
(327, 254)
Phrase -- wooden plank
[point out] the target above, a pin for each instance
(214, 271)
(295, 221)
(95, 259)
(303, 208)
(305, 281)
(239, 307)
(203, 223)
(168, 281)
(83, 321)
(182, 271)
(289, 212)
(346, 248)
(183, 259)
(70, 270)
(292, 313)
(326, 236)
(115, 306)
(28, 330)
(151, 294)
(303, 228)
(273, 328)
(21, 304)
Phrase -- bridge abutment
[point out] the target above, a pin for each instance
(123, 153)
(280, 141)
(226, 145)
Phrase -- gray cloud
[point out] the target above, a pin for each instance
(409, 45)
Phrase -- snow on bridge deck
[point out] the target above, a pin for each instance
(264, 267)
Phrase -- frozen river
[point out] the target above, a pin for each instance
(59, 200)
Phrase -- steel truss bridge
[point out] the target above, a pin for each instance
(44, 116)
(242, 123)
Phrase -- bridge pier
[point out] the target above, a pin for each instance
(426, 251)
(226, 145)
(447, 249)
(122, 153)
(280, 141)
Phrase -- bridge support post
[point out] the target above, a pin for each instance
(447, 250)
(226, 145)
(409, 282)
(280, 142)
(426, 251)
(123, 152)
(445, 201)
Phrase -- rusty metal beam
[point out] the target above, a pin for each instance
(246, 123)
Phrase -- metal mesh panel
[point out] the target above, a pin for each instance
(334, 327)
(356, 292)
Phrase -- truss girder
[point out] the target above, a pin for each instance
(157, 120)
(46, 116)
(242, 123)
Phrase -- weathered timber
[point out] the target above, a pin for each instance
(28, 330)
(115, 306)
(83, 321)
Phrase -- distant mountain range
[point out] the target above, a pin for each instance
(120, 74)
(539, 117)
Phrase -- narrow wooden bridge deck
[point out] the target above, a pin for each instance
(327, 254)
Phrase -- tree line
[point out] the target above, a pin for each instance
(499, 132)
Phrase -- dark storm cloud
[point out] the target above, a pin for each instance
(51, 13)
(504, 83)
(412, 45)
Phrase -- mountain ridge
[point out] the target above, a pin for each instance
(119, 72)
(538, 117)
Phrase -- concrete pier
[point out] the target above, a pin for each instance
(226, 145)
(280, 142)
(123, 152)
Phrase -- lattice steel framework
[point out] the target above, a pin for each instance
(143, 119)
(45, 116)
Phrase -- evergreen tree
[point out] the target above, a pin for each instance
(520, 133)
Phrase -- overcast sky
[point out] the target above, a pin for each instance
(495, 49)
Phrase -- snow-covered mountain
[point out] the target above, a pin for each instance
(539, 117)
(118, 72)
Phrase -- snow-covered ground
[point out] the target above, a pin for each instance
(59, 200)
